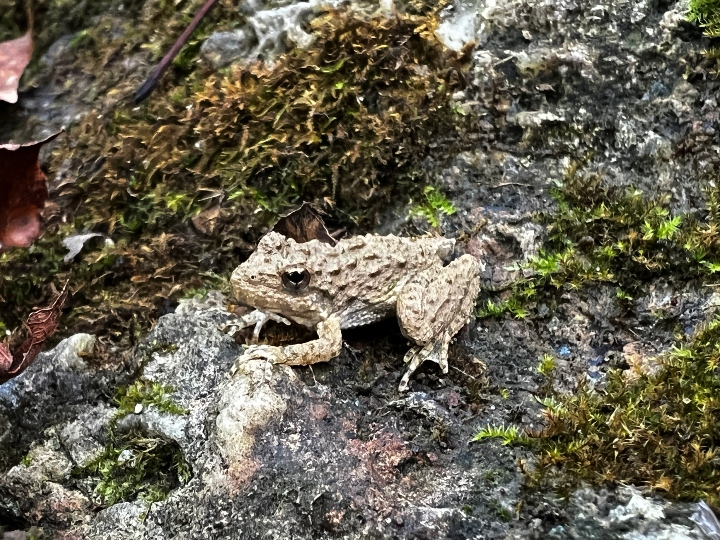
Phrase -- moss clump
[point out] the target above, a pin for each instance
(134, 465)
(347, 122)
(146, 393)
(707, 14)
(660, 430)
(433, 206)
(607, 234)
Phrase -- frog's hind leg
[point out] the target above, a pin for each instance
(433, 307)
(437, 351)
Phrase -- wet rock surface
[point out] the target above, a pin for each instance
(334, 451)
(318, 453)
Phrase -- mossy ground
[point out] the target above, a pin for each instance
(606, 234)
(346, 123)
(134, 464)
(658, 429)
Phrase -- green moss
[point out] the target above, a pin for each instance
(605, 234)
(660, 430)
(347, 123)
(146, 393)
(547, 365)
(511, 305)
(434, 205)
(26, 460)
(134, 465)
(508, 435)
(707, 14)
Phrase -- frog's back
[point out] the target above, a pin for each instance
(365, 273)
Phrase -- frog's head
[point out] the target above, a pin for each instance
(279, 277)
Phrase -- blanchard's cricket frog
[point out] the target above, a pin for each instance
(359, 281)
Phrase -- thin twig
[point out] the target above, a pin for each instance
(147, 87)
(461, 371)
(504, 60)
(504, 184)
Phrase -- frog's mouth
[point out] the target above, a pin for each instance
(309, 318)
(302, 310)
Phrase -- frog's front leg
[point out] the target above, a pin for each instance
(326, 347)
(255, 318)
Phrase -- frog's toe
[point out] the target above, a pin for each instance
(436, 351)
(268, 353)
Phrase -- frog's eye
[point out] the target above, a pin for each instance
(296, 279)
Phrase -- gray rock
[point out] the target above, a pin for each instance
(626, 515)
(268, 32)
(460, 26)
(224, 48)
(84, 438)
(35, 489)
(120, 522)
(248, 402)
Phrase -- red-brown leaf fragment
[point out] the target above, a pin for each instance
(22, 193)
(14, 57)
(40, 325)
(303, 225)
(6, 358)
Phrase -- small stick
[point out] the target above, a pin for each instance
(147, 87)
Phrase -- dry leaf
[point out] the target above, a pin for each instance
(22, 193)
(303, 225)
(14, 57)
(206, 222)
(40, 325)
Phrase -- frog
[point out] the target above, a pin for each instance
(355, 282)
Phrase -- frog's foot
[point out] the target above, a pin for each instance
(264, 353)
(437, 351)
(257, 318)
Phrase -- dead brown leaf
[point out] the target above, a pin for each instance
(14, 57)
(303, 225)
(206, 222)
(22, 193)
(40, 325)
